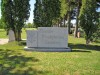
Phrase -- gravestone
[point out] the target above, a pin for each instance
(48, 39)
(31, 38)
(52, 37)
(11, 36)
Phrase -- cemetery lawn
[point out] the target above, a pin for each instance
(4, 36)
(83, 60)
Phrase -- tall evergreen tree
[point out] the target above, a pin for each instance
(7, 14)
(88, 18)
(38, 13)
(45, 12)
(14, 14)
(21, 14)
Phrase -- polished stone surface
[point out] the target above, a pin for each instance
(48, 39)
(31, 38)
(52, 37)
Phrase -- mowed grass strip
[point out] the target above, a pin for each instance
(83, 60)
(3, 33)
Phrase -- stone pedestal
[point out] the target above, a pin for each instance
(43, 49)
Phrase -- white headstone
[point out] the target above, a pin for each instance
(31, 38)
(11, 36)
(54, 37)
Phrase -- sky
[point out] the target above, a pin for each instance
(32, 2)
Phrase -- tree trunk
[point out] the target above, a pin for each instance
(87, 41)
(15, 33)
(69, 22)
(64, 22)
(19, 35)
(60, 22)
(76, 28)
(77, 20)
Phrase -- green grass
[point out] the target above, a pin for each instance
(24, 32)
(3, 34)
(83, 60)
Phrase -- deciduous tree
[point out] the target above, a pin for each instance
(88, 18)
(14, 14)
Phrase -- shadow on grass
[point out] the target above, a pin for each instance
(14, 63)
(81, 51)
(22, 43)
(97, 41)
(74, 46)
(84, 47)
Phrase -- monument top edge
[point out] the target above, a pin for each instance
(52, 27)
(48, 28)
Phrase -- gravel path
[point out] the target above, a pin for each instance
(3, 41)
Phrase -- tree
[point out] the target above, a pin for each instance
(7, 14)
(14, 14)
(96, 35)
(21, 14)
(70, 7)
(29, 25)
(2, 24)
(46, 11)
(38, 13)
(77, 11)
(78, 6)
(88, 18)
(63, 11)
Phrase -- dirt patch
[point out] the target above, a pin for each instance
(3, 41)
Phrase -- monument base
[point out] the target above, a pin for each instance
(43, 49)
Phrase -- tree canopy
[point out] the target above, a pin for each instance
(45, 12)
(14, 14)
(89, 18)
(48, 13)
